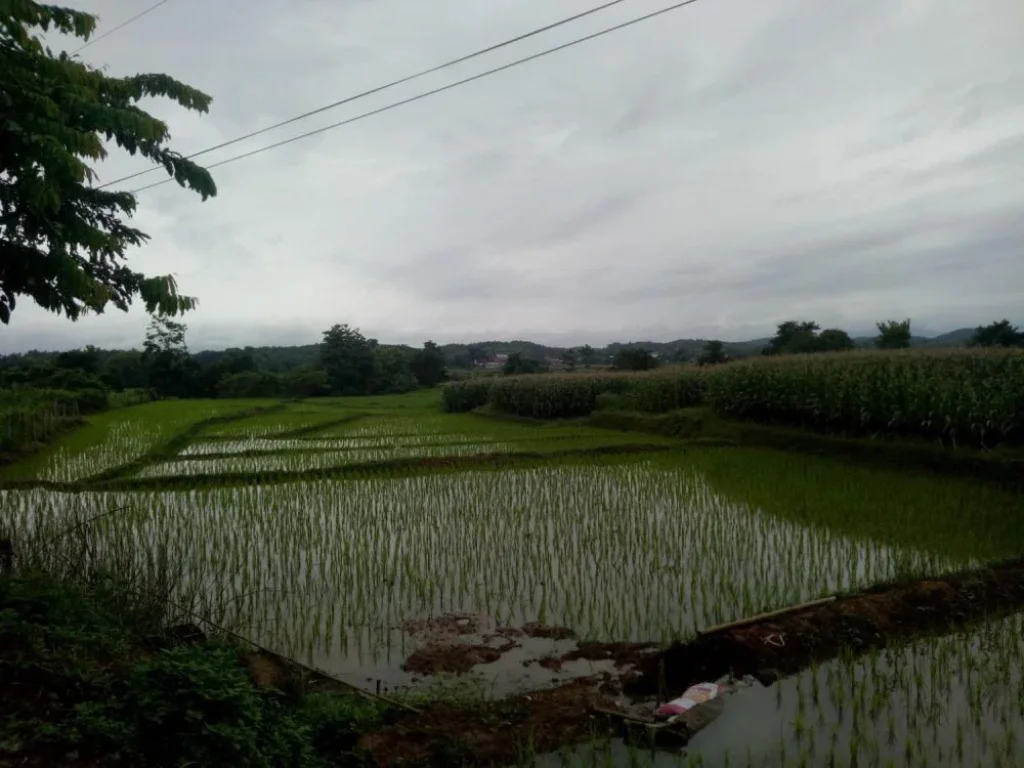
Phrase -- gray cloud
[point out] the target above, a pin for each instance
(706, 174)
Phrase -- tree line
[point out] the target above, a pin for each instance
(792, 337)
(346, 363)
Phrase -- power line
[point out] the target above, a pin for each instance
(435, 91)
(122, 25)
(378, 89)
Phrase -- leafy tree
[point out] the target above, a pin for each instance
(998, 334)
(249, 384)
(169, 368)
(834, 340)
(63, 240)
(347, 357)
(392, 371)
(713, 353)
(634, 359)
(234, 361)
(893, 334)
(680, 355)
(428, 365)
(793, 338)
(311, 382)
(87, 359)
(124, 370)
(587, 355)
(519, 363)
(569, 358)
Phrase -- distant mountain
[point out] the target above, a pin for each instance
(957, 338)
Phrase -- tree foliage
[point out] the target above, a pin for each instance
(834, 340)
(998, 334)
(519, 363)
(428, 365)
(795, 337)
(347, 357)
(169, 367)
(893, 334)
(713, 353)
(587, 355)
(634, 359)
(63, 241)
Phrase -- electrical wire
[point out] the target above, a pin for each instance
(378, 89)
(122, 25)
(435, 91)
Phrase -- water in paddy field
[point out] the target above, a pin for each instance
(948, 701)
(346, 574)
(329, 571)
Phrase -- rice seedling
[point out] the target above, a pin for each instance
(112, 438)
(644, 550)
(954, 701)
(617, 548)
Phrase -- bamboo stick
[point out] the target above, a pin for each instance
(767, 615)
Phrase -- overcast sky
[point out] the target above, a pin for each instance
(710, 173)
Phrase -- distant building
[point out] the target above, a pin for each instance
(494, 361)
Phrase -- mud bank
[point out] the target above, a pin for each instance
(495, 732)
(874, 618)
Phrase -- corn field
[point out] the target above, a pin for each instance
(973, 397)
(34, 416)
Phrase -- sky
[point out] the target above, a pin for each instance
(709, 173)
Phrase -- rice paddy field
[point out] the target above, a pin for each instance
(321, 528)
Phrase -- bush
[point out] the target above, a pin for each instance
(109, 684)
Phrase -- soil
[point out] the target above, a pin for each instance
(770, 649)
(544, 632)
(447, 625)
(492, 734)
(458, 658)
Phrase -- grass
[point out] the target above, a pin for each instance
(121, 688)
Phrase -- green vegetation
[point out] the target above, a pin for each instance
(111, 439)
(63, 238)
(126, 685)
(954, 700)
(961, 398)
(999, 334)
(32, 417)
(893, 334)
(319, 528)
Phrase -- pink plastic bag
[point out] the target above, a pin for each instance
(692, 696)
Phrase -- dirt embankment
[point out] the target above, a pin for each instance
(491, 734)
(880, 616)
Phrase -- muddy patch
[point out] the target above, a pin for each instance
(492, 733)
(635, 675)
(459, 658)
(442, 627)
(545, 632)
